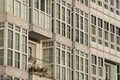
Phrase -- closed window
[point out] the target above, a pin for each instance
(93, 39)
(118, 40)
(24, 62)
(105, 6)
(94, 69)
(58, 11)
(86, 39)
(106, 44)
(36, 17)
(36, 4)
(1, 24)
(17, 60)
(81, 76)
(58, 72)
(68, 59)
(93, 19)
(93, 30)
(112, 37)
(100, 61)
(117, 4)
(63, 29)
(63, 13)
(118, 49)
(10, 39)
(48, 55)
(42, 5)
(63, 57)
(25, 12)
(106, 25)
(86, 65)
(81, 64)
(94, 59)
(17, 41)
(68, 16)
(58, 55)
(99, 3)
(17, 8)
(77, 62)
(100, 22)
(10, 58)
(100, 71)
(112, 28)
(112, 2)
(99, 41)
(77, 35)
(106, 35)
(107, 72)
(58, 27)
(100, 32)
(117, 30)
(82, 1)
(11, 6)
(86, 25)
(69, 75)
(81, 23)
(68, 32)
(30, 51)
(77, 20)
(1, 38)
(48, 4)
(1, 56)
(118, 72)
(86, 2)
(81, 37)
(24, 44)
(63, 73)
(77, 75)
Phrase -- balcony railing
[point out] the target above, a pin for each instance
(39, 67)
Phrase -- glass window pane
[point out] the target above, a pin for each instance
(17, 41)
(17, 60)
(10, 58)
(10, 39)
(1, 56)
(36, 4)
(1, 38)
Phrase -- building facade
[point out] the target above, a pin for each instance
(59, 40)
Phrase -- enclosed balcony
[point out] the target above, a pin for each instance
(40, 19)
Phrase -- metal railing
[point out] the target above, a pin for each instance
(39, 67)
